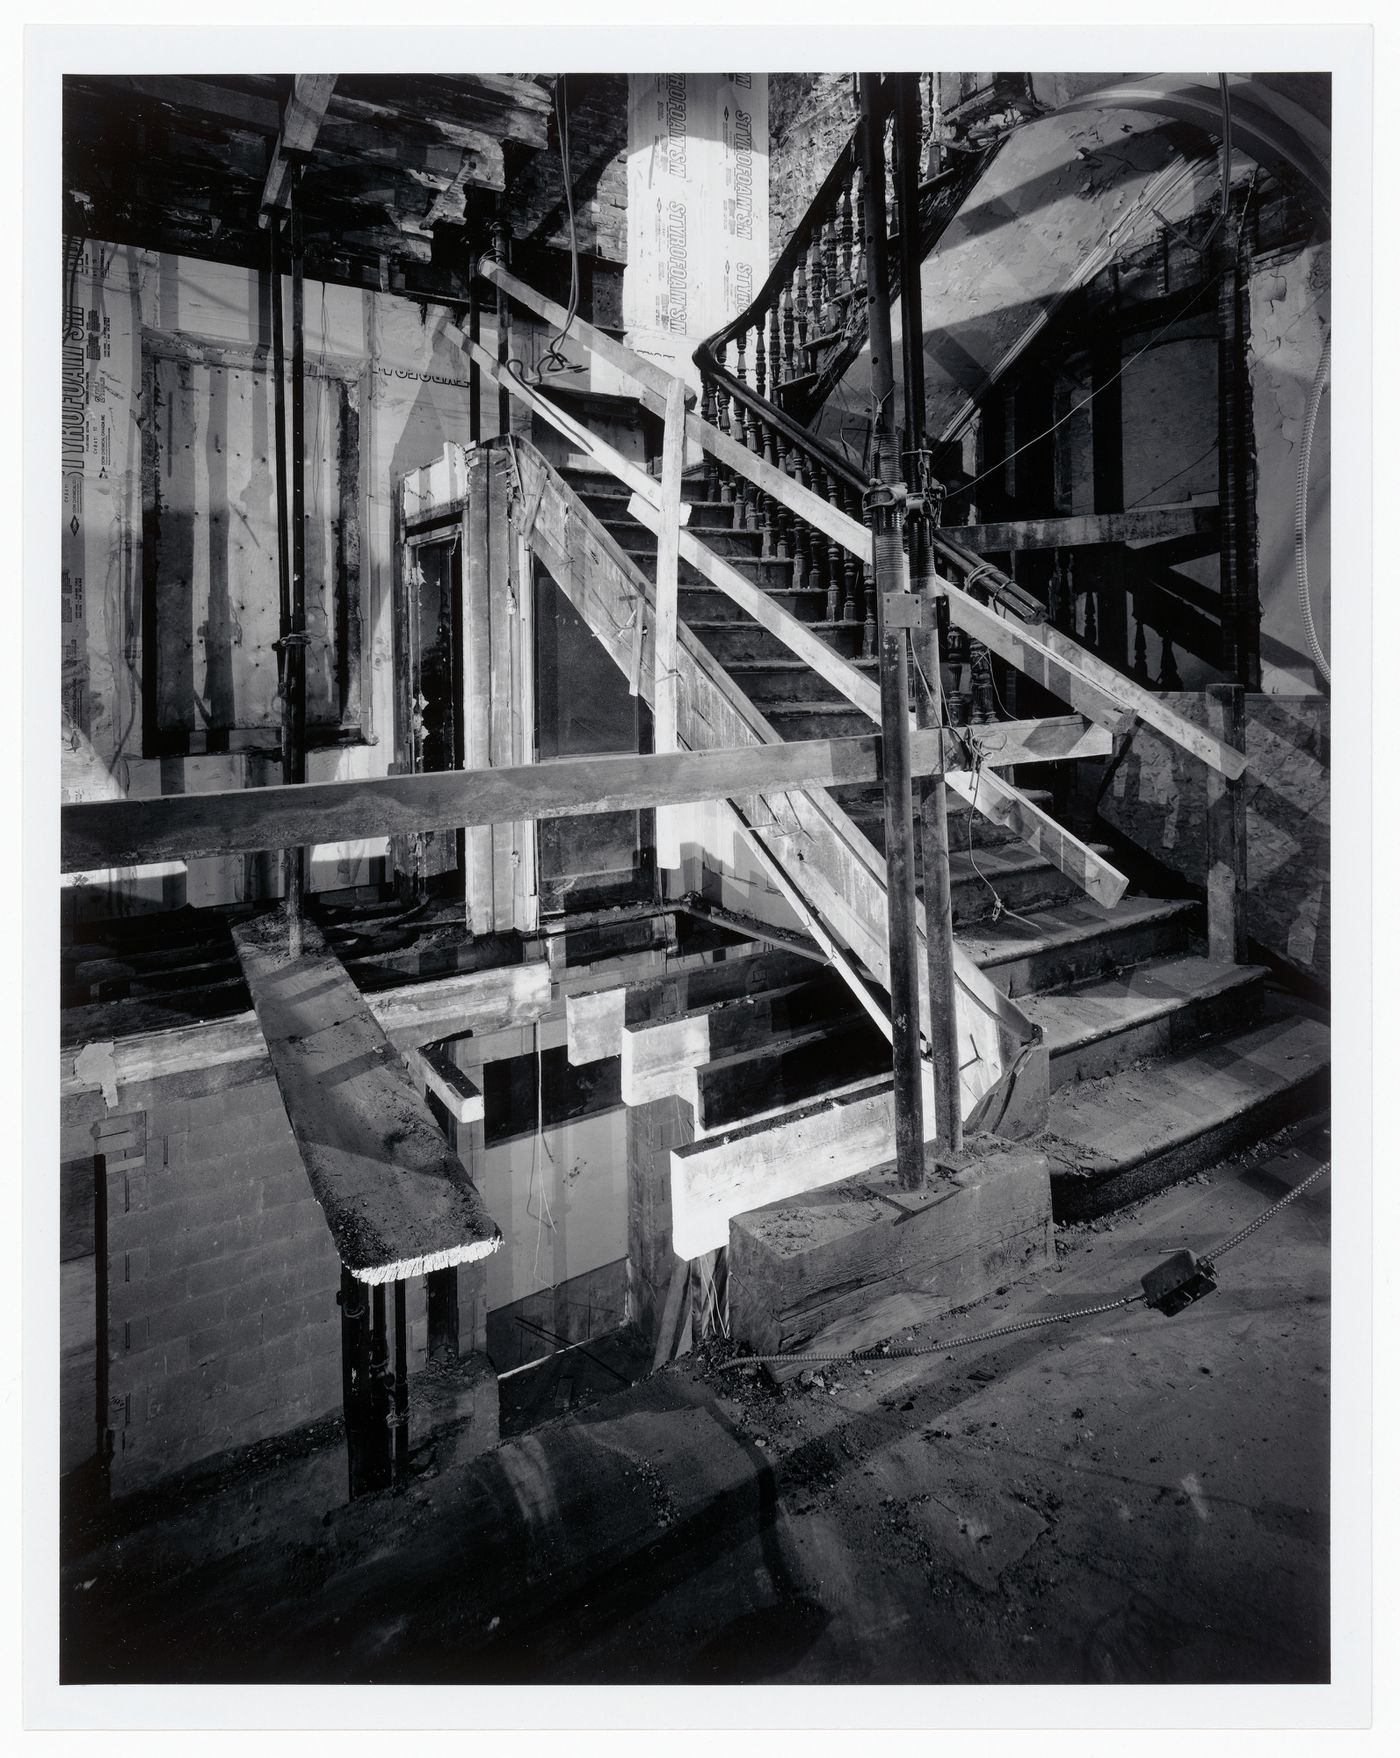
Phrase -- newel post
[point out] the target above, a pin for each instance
(1227, 879)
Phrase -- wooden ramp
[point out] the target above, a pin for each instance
(397, 1199)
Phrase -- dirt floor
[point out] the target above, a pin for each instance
(1131, 1499)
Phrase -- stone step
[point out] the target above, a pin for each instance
(818, 720)
(1074, 942)
(1160, 1008)
(702, 603)
(776, 683)
(773, 576)
(733, 642)
(791, 1070)
(1115, 1140)
(732, 545)
(1013, 873)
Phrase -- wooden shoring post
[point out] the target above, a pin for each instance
(1239, 582)
(885, 505)
(928, 692)
(354, 1371)
(401, 1383)
(1227, 873)
(279, 423)
(296, 634)
(500, 250)
(666, 699)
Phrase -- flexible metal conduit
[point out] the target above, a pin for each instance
(1300, 513)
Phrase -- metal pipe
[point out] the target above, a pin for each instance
(928, 691)
(500, 249)
(886, 506)
(296, 635)
(474, 376)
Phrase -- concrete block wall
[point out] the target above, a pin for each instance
(222, 1325)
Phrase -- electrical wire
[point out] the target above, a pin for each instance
(1300, 515)
(942, 1345)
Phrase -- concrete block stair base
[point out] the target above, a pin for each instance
(841, 1268)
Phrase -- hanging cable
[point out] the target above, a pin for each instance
(1300, 512)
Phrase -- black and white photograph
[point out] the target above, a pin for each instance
(691, 884)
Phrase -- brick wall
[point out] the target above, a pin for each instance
(222, 1322)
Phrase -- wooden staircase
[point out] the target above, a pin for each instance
(1130, 1007)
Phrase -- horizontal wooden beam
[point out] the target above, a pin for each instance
(214, 102)
(1140, 525)
(301, 122)
(1027, 648)
(417, 1013)
(103, 834)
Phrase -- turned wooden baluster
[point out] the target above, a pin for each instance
(1091, 619)
(799, 311)
(775, 348)
(760, 360)
(817, 284)
(858, 242)
(709, 412)
(848, 237)
(801, 552)
(789, 333)
(831, 269)
(849, 567)
(785, 519)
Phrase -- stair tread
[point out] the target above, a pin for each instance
(1142, 1113)
(992, 943)
(1110, 1005)
(1007, 861)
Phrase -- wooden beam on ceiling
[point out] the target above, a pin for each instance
(1138, 525)
(301, 122)
(220, 102)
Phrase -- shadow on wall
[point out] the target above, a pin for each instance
(1158, 800)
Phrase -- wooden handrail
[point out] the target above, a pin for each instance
(1095, 678)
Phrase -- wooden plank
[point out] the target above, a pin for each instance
(796, 636)
(215, 102)
(1030, 652)
(436, 1070)
(301, 121)
(652, 381)
(1006, 806)
(724, 1175)
(665, 657)
(121, 833)
(1227, 882)
(479, 1001)
(1148, 707)
(587, 442)
(1139, 525)
(397, 1200)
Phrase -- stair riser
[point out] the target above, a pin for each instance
(710, 516)
(1041, 888)
(732, 545)
(1114, 949)
(761, 1028)
(725, 1097)
(733, 645)
(1079, 1197)
(985, 834)
(795, 723)
(785, 687)
(702, 604)
(1182, 1030)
